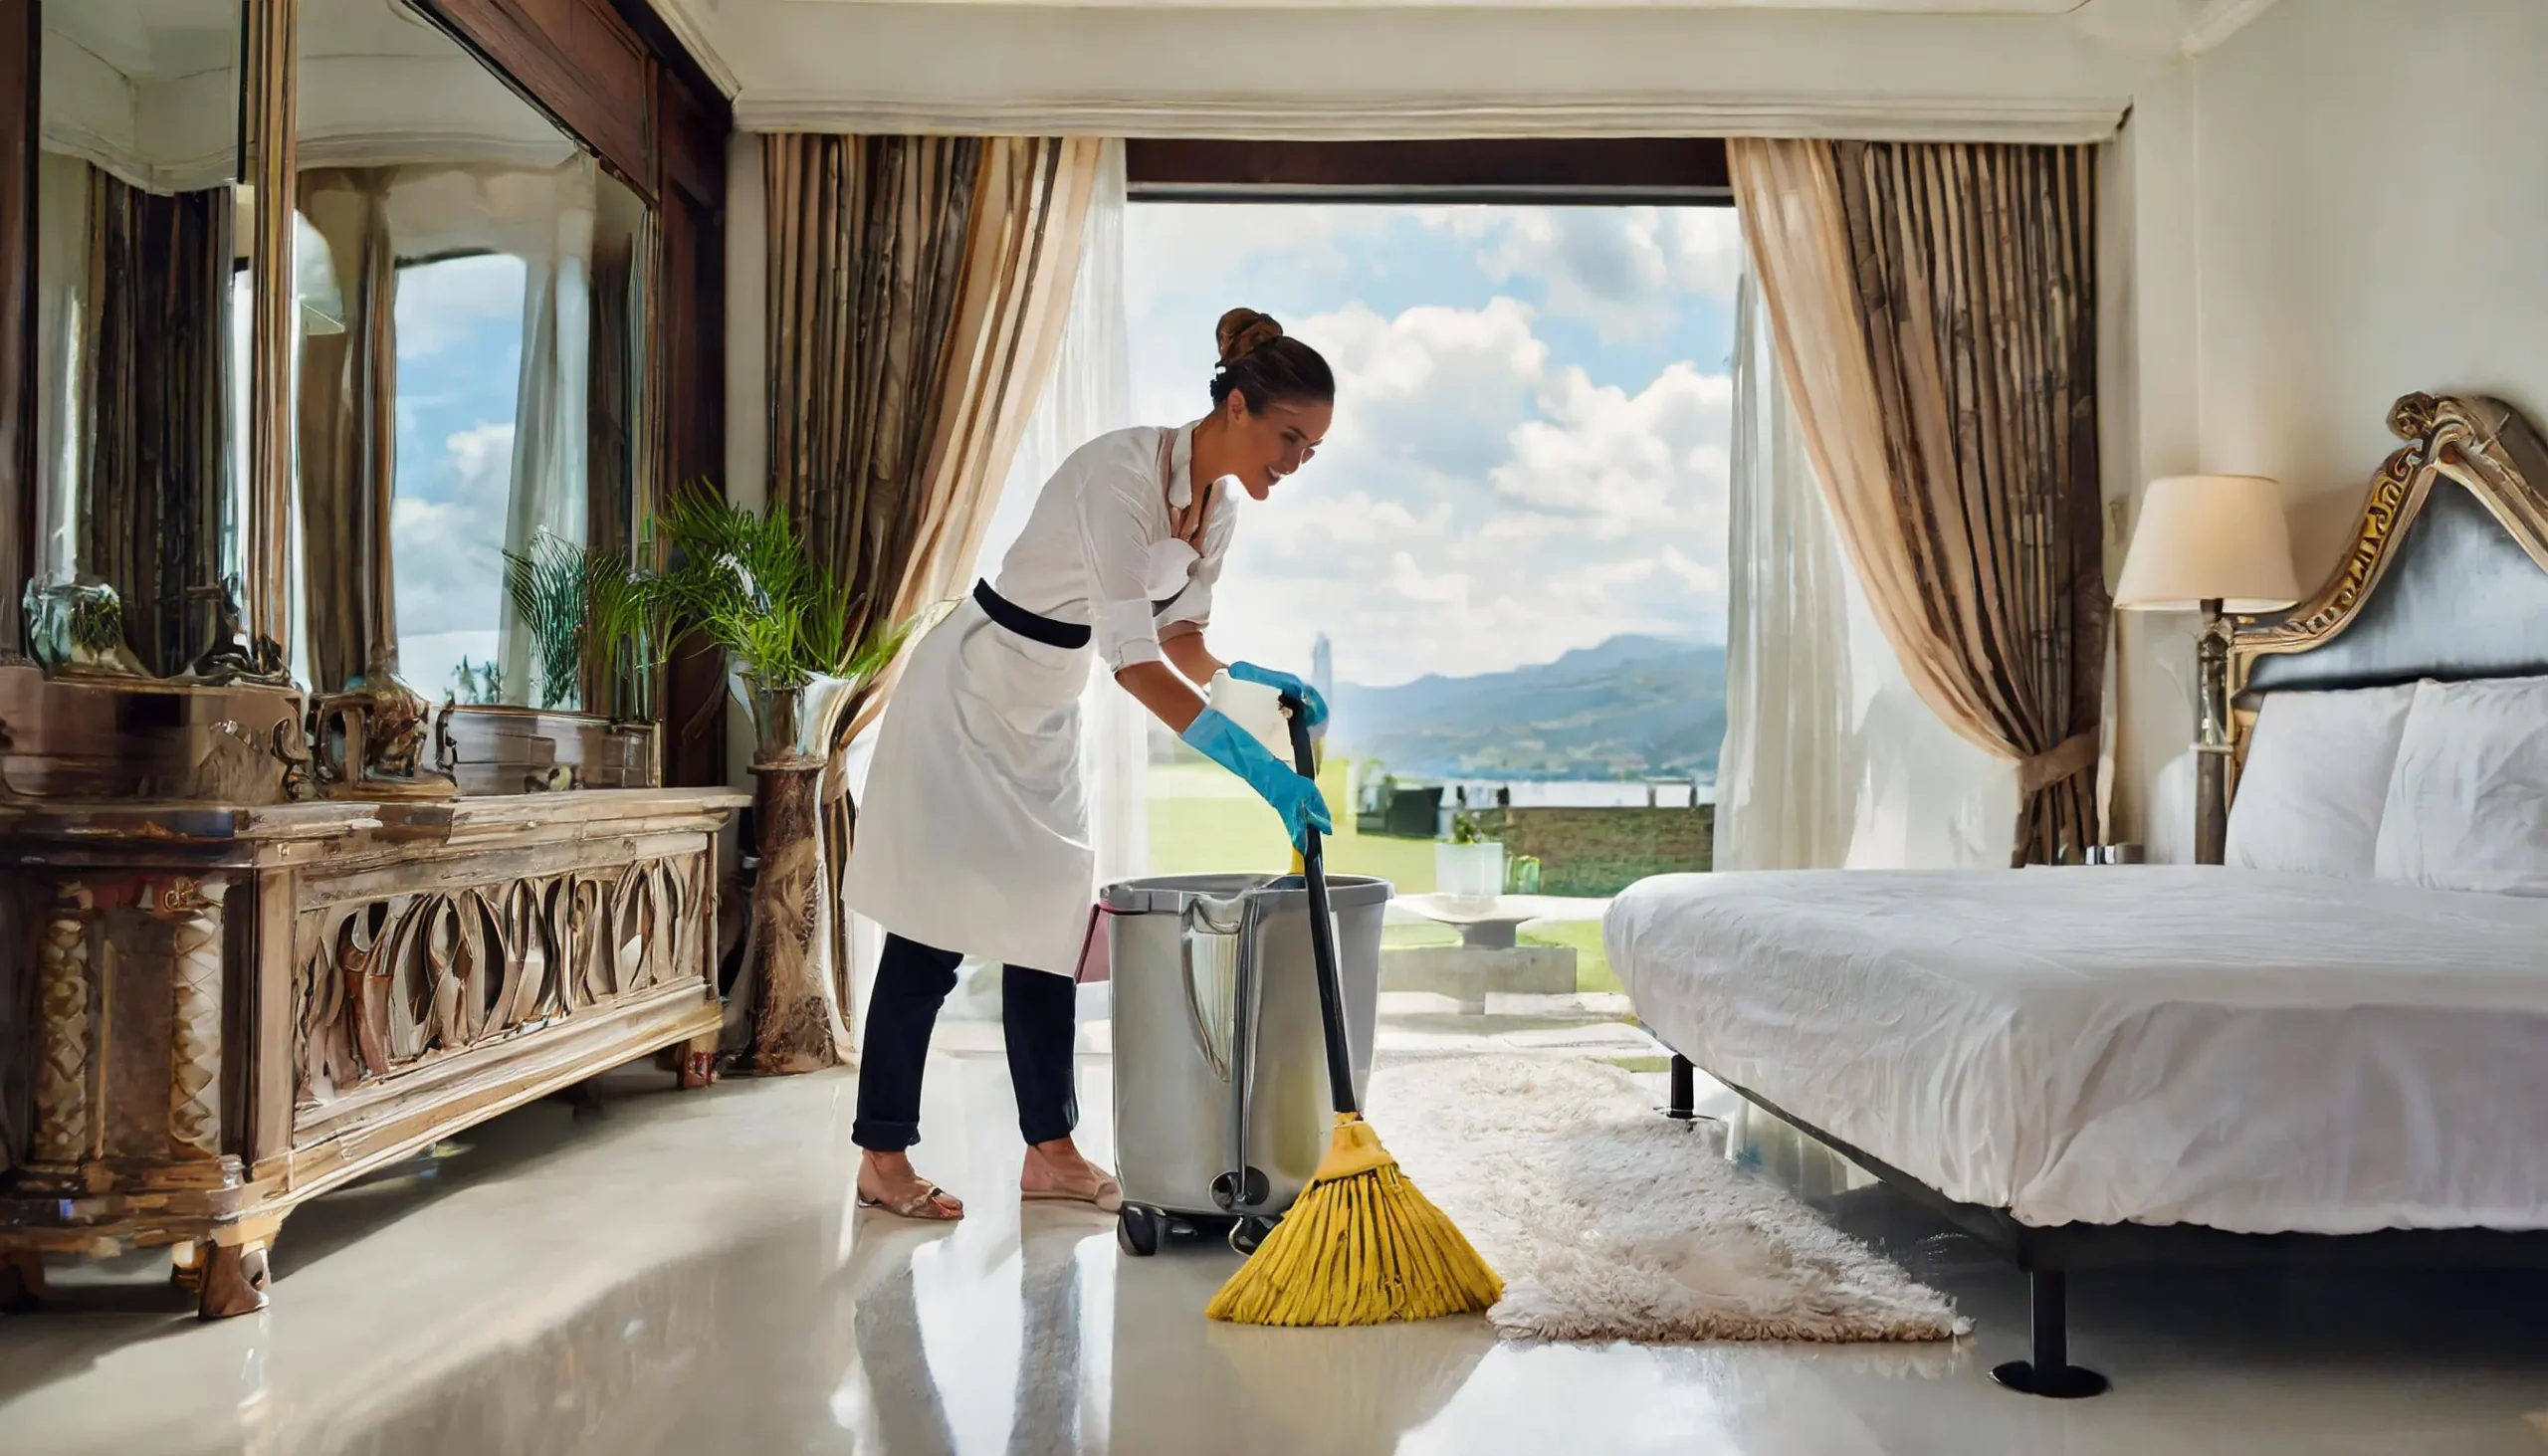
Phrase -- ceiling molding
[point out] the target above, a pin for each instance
(692, 30)
(1394, 117)
(412, 146)
(2217, 22)
(165, 176)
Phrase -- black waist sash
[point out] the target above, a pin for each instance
(1026, 624)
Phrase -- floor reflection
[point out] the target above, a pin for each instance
(661, 1273)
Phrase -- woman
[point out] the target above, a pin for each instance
(973, 838)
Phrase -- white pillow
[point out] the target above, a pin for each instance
(2309, 800)
(2468, 804)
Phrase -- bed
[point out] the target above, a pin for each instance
(2331, 1047)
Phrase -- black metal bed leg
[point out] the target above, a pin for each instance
(2050, 1373)
(1685, 1095)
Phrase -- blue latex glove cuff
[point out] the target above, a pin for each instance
(1233, 747)
(1283, 682)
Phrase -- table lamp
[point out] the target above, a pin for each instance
(2215, 544)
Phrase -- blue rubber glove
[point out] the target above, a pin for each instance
(1282, 682)
(1233, 747)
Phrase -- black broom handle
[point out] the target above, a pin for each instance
(1331, 979)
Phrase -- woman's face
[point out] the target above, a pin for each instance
(1266, 447)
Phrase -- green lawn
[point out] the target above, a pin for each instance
(1203, 819)
(1591, 963)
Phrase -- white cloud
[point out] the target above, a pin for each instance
(1624, 269)
(1624, 462)
(1410, 580)
(447, 551)
(453, 301)
(1706, 246)
(1477, 509)
(1696, 575)
(1434, 388)
(1352, 519)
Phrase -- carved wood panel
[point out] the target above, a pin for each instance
(128, 1039)
(383, 985)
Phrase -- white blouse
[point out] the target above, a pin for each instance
(1099, 550)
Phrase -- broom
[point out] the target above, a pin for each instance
(1361, 1246)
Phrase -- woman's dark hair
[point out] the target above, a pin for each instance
(1265, 365)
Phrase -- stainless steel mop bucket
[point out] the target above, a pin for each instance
(1222, 1105)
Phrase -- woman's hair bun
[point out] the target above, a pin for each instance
(1242, 331)
(1263, 364)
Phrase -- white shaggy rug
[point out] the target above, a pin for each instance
(1610, 1221)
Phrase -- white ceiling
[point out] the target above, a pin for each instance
(2040, 69)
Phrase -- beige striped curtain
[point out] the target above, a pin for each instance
(155, 458)
(348, 427)
(918, 288)
(1935, 311)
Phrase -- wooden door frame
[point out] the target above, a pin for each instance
(1553, 171)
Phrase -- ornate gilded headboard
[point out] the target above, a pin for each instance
(2448, 576)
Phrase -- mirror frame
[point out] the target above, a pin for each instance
(20, 74)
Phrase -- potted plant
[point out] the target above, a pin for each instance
(599, 625)
(741, 578)
(1469, 864)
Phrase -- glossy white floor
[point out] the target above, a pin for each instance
(657, 1271)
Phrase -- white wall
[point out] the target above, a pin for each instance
(2345, 203)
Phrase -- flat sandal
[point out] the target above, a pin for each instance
(1107, 1195)
(921, 1207)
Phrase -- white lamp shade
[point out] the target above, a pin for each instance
(2209, 537)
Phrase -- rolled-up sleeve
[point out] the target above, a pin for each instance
(1113, 533)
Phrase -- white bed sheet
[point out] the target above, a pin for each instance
(2166, 1044)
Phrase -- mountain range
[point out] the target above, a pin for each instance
(1633, 707)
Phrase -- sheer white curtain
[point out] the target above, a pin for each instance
(1830, 759)
(1929, 799)
(1090, 393)
(555, 244)
(62, 289)
(1785, 793)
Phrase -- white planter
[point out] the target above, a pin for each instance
(1474, 871)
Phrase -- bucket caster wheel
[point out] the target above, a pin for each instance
(1249, 1232)
(1139, 1230)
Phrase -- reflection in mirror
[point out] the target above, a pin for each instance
(468, 367)
(139, 341)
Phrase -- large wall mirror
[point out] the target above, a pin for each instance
(346, 331)
(141, 342)
(471, 357)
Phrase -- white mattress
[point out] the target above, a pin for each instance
(2251, 1051)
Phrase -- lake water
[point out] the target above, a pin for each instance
(1590, 793)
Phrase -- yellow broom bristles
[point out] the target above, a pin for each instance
(1361, 1246)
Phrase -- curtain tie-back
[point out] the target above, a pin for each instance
(2075, 755)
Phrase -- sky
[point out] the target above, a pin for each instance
(460, 329)
(1529, 450)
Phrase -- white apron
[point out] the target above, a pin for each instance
(974, 833)
(973, 836)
